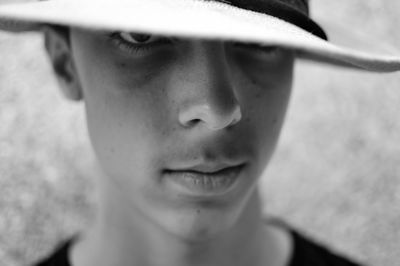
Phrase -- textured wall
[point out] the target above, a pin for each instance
(335, 174)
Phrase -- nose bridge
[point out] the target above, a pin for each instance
(212, 100)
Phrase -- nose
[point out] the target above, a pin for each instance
(211, 99)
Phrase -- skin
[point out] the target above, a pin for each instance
(177, 104)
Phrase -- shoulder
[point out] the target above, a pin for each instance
(307, 252)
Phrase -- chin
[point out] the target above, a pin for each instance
(199, 225)
(201, 222)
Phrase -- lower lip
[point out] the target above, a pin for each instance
(204, 184)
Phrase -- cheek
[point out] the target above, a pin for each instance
(142, 73)
(265, 86)
(127, 116)
(264, 92)
(266, 117)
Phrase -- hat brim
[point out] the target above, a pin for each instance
(192, 19)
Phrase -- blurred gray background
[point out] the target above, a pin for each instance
(335, 175)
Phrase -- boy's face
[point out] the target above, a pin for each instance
(165, 116)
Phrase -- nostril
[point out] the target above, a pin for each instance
(192, 122)
(213, 117)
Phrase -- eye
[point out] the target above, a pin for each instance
(138, 43)
(138, 38)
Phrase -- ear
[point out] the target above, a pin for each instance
(59, 51)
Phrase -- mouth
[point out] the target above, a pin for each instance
(202, 180)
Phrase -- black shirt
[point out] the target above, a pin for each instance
(305, 253)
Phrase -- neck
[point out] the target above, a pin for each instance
(122, 237)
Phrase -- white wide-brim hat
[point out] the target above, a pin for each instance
(267, 22)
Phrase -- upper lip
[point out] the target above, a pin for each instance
(207, 168)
